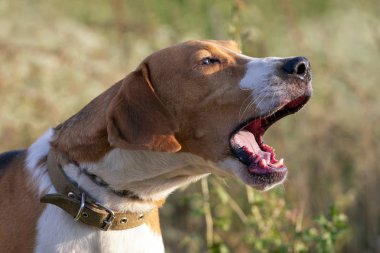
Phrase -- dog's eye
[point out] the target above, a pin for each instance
(210, 60)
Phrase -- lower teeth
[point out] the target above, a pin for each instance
(262, 162)
(265, 164)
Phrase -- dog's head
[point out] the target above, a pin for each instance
(207, 99)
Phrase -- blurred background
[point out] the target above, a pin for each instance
(57, 55)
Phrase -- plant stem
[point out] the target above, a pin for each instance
(207, 212)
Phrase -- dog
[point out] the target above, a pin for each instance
(95, 182)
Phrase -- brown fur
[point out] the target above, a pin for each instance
(19, 208)
(83, 137)
(173, 108)
(200, 98)
(154, 222)
(136, 118)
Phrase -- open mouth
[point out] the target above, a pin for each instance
(247, 145)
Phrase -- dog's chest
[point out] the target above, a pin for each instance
(58, 232)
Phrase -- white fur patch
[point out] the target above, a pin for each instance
(59, 233)
(258, 71)
(259, 78)
(35, 153)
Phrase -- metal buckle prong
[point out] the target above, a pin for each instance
(111, 216)
(80, 211)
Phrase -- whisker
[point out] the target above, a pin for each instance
(251, 104)
(269, 93)
(240, 116)
(246, 109)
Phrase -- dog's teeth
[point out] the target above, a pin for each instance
(263, 163)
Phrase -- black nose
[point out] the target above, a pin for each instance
(298, 66)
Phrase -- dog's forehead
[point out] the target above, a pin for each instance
(211, 45)
(194, 48)
(228, 44)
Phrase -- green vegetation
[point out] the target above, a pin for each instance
(263, 223)
(58, 55)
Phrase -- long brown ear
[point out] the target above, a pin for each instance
(137, 119)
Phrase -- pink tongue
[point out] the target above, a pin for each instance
(246, 139)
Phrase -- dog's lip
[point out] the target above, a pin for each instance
(268, 171)
(293, 106)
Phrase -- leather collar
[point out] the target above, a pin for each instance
(75, 201)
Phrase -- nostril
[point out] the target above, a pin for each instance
(298, 66)
(301, 69)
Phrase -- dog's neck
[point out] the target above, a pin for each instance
(151, 179)
(148, 177)
(151, 176)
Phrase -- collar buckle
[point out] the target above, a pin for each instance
(107, 222)
(111, 216)
(82, 203)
